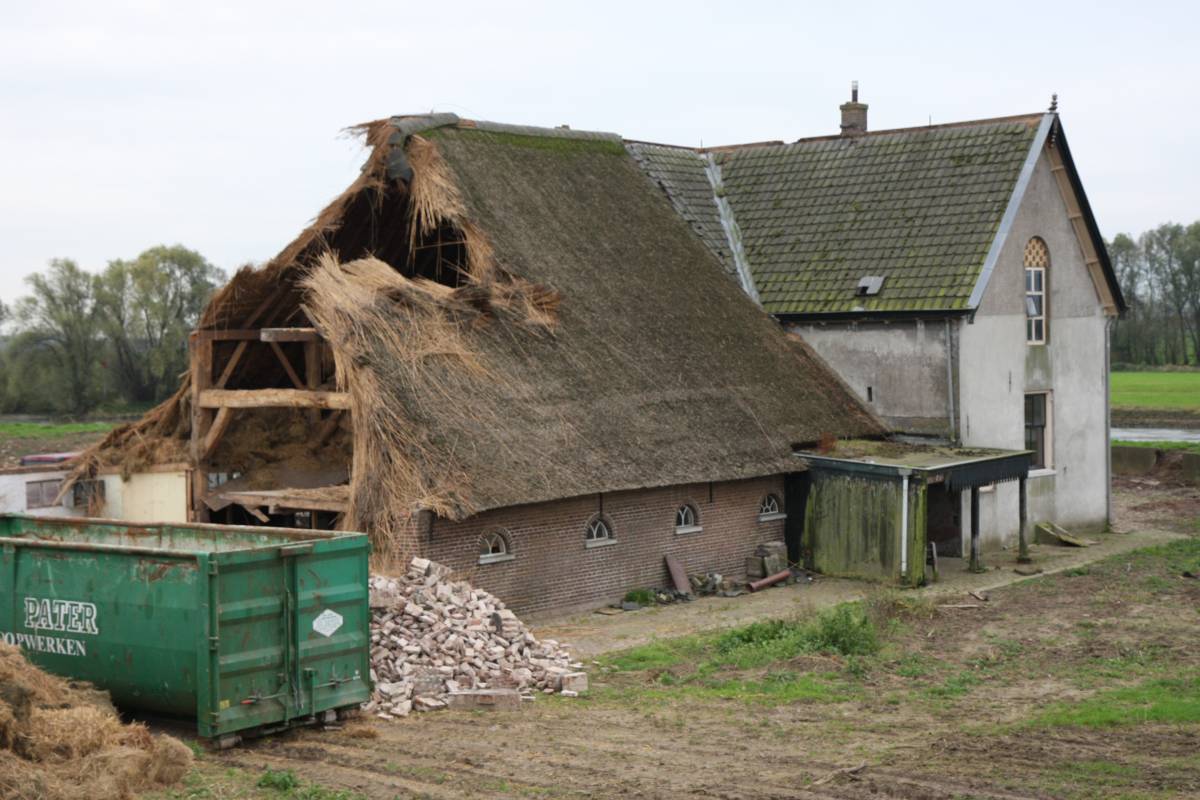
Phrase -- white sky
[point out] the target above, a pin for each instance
(128, 124)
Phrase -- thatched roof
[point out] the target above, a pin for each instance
(596, 344)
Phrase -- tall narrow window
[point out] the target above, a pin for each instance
(1036, 427)
(1037, 261)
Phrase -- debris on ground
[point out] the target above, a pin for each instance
(1049, 533)
(436, 642)
(61, 740)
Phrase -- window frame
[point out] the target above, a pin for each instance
(41, 486)
(594, 520)
(770, 508)
(1037, 275)
(492, 535)
(1046, 428)
(682, 515)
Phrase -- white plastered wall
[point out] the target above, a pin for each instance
(12, 493)
(147, 497)
(997, 368)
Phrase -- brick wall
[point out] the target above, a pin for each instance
(553, 569)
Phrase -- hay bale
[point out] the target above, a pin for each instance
(61, 740)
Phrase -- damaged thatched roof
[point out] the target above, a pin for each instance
(655, 369)
(594, 345)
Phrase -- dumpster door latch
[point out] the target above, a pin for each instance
(287, 551)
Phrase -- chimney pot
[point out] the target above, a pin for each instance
(854, 114)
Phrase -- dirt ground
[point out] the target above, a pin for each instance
(13, 448)
(965, 699)
(1160, 500)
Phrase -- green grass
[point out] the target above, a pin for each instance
(1170, 701)
(286, 785)
(1167, 390)
(643, 597)
(1187, 447)
(750, 663)
(37, 430)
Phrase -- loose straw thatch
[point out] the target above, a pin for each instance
(405, 354)
(61, 741)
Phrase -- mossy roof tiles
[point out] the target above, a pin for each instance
(919, 207)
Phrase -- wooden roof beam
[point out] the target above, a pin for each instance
(273, 398)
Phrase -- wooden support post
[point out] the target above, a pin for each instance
(202, 419)
(219, 425)
(976, 563)
(287, 366)
(312, 374)
(1022, 531)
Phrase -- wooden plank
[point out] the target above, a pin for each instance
(280, 501)
(219, 426)
(272, 398)
(312, 374)
(260, 516)
(201, 376)
(228, 335)
(287, 366)
(227, 373)
(679, 578)
(290, 335)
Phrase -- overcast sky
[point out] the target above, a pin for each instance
(128, 124)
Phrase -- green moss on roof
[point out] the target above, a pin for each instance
(552, 144)
(919, 207)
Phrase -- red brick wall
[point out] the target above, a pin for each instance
(555, 570)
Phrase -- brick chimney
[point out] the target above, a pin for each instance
(854, 114)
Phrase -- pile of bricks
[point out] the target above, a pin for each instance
(436, 642)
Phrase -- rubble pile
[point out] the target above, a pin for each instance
(437, 642)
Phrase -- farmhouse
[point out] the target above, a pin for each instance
(953, 275)
(540, 356)
(500, 348)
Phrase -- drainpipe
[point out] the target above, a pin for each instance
(1108, 507)
(904, 527)
(950, 383)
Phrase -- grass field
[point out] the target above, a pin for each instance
(1165, 390)
(38, 430)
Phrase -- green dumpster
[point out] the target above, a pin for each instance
(244, 628)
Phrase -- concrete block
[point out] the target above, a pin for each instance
(1128, 460)
(773, 564)
(772, 549)
(575, 682)
(489, 699)
(754, 568)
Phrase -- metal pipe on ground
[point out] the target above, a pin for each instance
(770, 580)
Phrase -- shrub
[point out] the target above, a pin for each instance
(643, 597)
(845, 630)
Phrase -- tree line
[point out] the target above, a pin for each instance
(1159, 273)
(81, 340)
(118, 338)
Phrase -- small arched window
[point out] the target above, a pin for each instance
(687, 520)
(599, 531)
(769, 508)
(495, 545)
(1037, 262)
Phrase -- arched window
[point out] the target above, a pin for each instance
(687, 520)
(495, 545)
(1037, 262)
(769, 508)
(599, 531)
